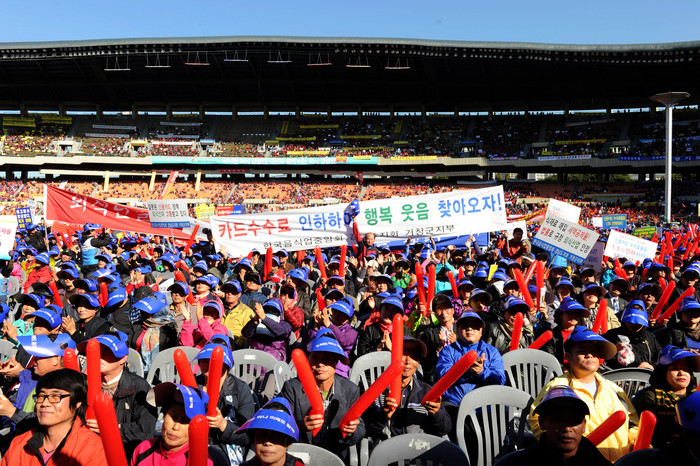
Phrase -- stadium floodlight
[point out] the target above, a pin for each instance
(236, 57)
(116, 66)
(157, 63)
(279, 58)
(359, 62)
(318, 60)
(397, 65)
(197, 61)
(669, 100)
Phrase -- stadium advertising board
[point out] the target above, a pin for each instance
(630, 247)
(395, 219)
(563, 210)
(644, 232)
(564, 157)
(564, 238)
(163, 159)
(615, 222)
(171, 213)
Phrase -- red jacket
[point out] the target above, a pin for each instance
(81, 447)
(38, 275)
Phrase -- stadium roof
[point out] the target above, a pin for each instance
(258, 73)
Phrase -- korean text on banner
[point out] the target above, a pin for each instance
(437, 215)
(522, 224)
(644, 232)
(24, 216)
(597, 222)
(564, 210)
(594, 259)
(615, 222)
(170, 213)
(629, 247)
(8, 228)
(565, 238)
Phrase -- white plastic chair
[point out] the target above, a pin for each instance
(164, 364)
(491, 410)
(530, 370)
(134, 363)
(282, 374)
(249, 364)
(368, 368)
(630, 379)
(413, 448)
(312, 455)
(7, 350)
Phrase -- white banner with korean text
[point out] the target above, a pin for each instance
(630, 247)
(460, 212)
(171, 213)
(8, 228)
(564, 210)
(565, 238)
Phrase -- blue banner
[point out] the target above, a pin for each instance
(24, 217)
(555, 251)
(615, 222)
(684, 158)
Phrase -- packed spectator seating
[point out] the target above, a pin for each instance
(106, 147)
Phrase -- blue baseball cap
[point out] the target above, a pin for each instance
(690, 304)
(333, 293)
(43, 258)
(116, 296)
(499, 275)
(41, 346)
(104, 258)
(515, 304)
(270, 417)
(481, 272)
(635, 313)
(179, 287)
(563, 281)
(274, 304)
(393, 302)
(31, 299)
(337, 279)
(670, 354)
(87, 300)
(194, 399)
(469, 315)
(91, 226)
(209, 349)
(582, 334)
(592, 286)
(49, 316)
(342, 306)
(201, 265)
(114, 344)
(571, 305)
(327, 343)
(245, 262)
(220, 336)
(204, 279)
(149, 305)
(562, 396)
(479, 293)
(86, 284)
(68, 273)
(144, 269)
(216, 305)
(233, 286)
(465, 282)
(102, 273)
(299, 274)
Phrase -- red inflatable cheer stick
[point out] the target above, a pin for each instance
(541, 340)
(647, 422)
(343, 255)
(607, 428)
(523, 288)
(601, 318)
(308, 382)
(677, 303)
(109, 430)
(199, 441)
(539, 280)
(70, 360)
(104, 294)
(530, 271)
(216, 366)
(420, 286)
(450, 377)
(396, 355)
(460, 274)
(320, 299)
(453, 284)
(663, 299)
(301, 254)
(371, 394)
(268, 263)
(517, 331)
(662, 282)
(184, 369)
(431, 283)
(321, 264)
(94, 377)
(192, 237)
(56, 296)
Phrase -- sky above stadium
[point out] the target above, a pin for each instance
(546, 21)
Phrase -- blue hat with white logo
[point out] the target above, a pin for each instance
(342, 306)
(670, 354)
(209, 349)
(114, 344)
(180, 287)
(469, 315)
(232, 286)
(87, 300)
(514, 304)
(68, 273)
(149, 305)
(201, 265)
(327, 343)
(583, 334)
(49, 316)
(635, 313)
(276, 416)
(86, 284)
(194, 399)
(116, 296)
(41, 346)
(215, 305)
(395, 303)
(31, 299)
(562, 396)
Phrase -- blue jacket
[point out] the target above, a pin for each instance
(492, 373)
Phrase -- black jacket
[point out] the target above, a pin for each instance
(136, 417)
(409, 418)
(673, 334)
(541, 455)
(86, 330)
(344, 395)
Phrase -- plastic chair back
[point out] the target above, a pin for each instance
(249, 364)
(530, 370)
(312, 455)
(417, 448)
(163, 365)
(7, 350)
(134, 363)
(368, 368)
(631, 380)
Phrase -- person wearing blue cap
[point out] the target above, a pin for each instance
(562, 415)
(437, 333)
(689, 278)
(236, 313)
(683, 329)
(686, 449)
(136, 418)
(583, 351)
(636, 345)
(268, 330)
(590, 297)
(297, 279)
(209, 315)
(251, 292)
(179, 404)
(388, 417)
(293, 314)
(273, 429)
(41, 273)
(90, 323)
(567, 316)
(336, 317)
(486, 370)
(235, 405)
(338, 394)
(90, 244)
(672, 381)
(500, 332)
(377, 335)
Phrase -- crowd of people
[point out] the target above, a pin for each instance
(139, 293)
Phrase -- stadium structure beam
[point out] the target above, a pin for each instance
(669, 100)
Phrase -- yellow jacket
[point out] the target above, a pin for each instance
(236, 319)
(610, 398)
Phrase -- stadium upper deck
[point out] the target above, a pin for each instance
(338, 74)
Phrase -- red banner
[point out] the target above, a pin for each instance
(224, 210)
(76, 209)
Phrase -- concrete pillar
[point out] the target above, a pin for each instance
(105, 188)
(153, 181)
(61, 110)
(98, 112)
(168, 112)
(23, 110)
(201, 112)
(134, 112)
(198, 180)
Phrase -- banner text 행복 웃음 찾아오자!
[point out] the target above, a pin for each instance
(437, 215)
(565, 238)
